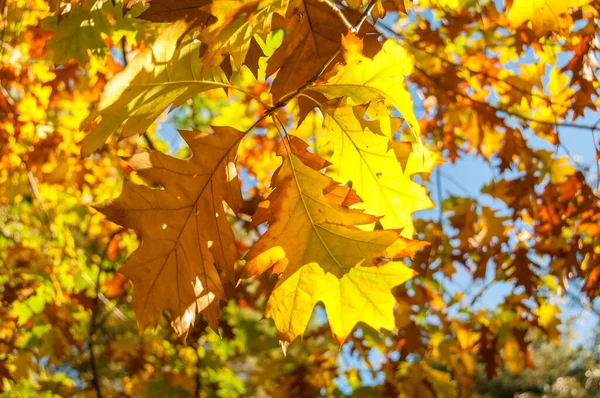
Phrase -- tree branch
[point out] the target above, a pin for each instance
(471, 71)
(93, 320)
(507, 112)
(340, 14)
(198, 373)
(597, 160)
(356, 28)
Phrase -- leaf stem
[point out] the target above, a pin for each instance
(310, 81)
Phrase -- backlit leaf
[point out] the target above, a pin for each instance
(165, 75)
(382, 78)
(321, 255)
(185, 236)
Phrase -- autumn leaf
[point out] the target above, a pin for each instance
(80, 31)
(185, 236)
(363, 79)
(237, 23)
(364, 155)
(171, 11)
(488, 78)
(545, 15)
(312, 36)
(322, 256)
(513, 356)
(560, 170)
(165, 75)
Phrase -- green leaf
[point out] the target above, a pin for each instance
(79, 33)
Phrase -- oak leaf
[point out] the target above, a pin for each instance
(313, 241)
(165, 75)
(372, 161)
(171, 11)
(381, 78)
(237, 23)
(185, 236)
(312, 36)
(80, 31)
(545, 15)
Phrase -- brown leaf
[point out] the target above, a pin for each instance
(171, 11)
(312, 35)
(185, 236)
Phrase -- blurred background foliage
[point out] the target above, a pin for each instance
(514, 242)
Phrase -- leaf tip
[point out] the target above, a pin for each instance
(284, 346)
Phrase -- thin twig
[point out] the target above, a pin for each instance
(580, 166)
(353, 28)
(340, 14)
(95, 383)
(458, 185)
(471, 71)
(438, 183)
(6, 94)
(483, 290)
(38, 197)
(106, 302)
(4, 10)
(597, 160)
(581, 301)
(356, 28)
(36, 192)
(325, 65)
(198, 372)
(93, 320)
(148, 141)
(310, 81)
(507, 112)
(360, 348)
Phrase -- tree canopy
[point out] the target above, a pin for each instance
(250, 197)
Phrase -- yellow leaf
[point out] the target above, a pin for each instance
(513, 356)
(548, 319)
(323, 256)
(382, 78)
(545, 15)
(371, 163)
(184, 232)
(560, 169)
(237, 23)
(362, 294)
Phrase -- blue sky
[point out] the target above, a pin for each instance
(472, 173)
